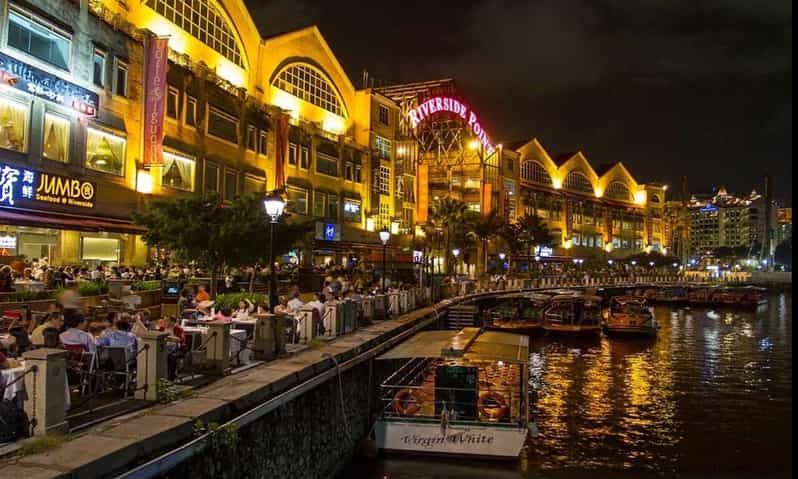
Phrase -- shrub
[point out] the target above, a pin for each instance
(146, 285)
(231, 300)
(92, 289)
(24, 296)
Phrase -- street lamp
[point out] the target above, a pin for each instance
(274, 205)
(634, 263)
(456, 253)
(501, 257)
(385, 235)
(651, 263)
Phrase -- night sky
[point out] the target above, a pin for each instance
(668, 87)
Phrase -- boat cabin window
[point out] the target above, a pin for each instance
(456, 389)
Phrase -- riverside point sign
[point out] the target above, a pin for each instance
(446, 104)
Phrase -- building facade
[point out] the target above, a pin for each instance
(70, 134)
(724, 220)
(589, 210)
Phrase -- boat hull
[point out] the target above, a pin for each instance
(630, 330)
(571, 329)
(487, 441)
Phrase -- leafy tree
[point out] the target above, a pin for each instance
(783, 254)
(534, 232)
(203, 229)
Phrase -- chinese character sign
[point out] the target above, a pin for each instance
(329, 232)
(15, 183)
(154, 101)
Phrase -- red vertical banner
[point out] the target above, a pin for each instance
(155, 82)
(280, 151)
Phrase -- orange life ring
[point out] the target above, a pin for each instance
(492, 412)
(405, 403)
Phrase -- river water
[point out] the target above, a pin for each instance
(711, 396)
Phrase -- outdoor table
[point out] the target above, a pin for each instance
(5, 340)
(23, 285)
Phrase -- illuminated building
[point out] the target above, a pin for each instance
(724, 220)
(70, 134)
(590, 209)
(784, 224)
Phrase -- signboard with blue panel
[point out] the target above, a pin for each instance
(22, 185)
(328, 231)
(21, 76)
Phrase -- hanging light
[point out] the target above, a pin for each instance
(274, 205)
(385, 235)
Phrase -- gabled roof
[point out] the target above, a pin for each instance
(402, 91)
(604, 167)
(561, 158)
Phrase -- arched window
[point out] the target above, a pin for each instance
(655, 199)
(618, 191)
(535, 172)
(308, 83)
(202, 20)
(576, 181)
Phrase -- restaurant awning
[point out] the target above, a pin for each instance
(68, 222)
(468, 343)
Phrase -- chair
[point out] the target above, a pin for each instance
(51, 338)
(80, 365)
(115, 363)
(22, 339)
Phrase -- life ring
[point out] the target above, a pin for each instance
(405, 403)
(492, 412)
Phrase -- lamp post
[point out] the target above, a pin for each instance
(456, 253)
(501, 257)
(385, 235)
(274, 205)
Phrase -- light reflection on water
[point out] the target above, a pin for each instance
(711, 396)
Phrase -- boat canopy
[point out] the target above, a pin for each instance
(471, 344)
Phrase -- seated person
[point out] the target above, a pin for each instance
(202, 295)
(177, 337)
(224, 315)
(295, 304)
(245, 307)
(75, 334)
(120, 336)
(51, 320)
(283, 307)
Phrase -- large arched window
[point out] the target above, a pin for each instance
(618, 191)
(655, 199)
(535, 172)
(576, 181)
(203, 21)
(308, 83)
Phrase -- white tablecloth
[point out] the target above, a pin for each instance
(19, 386)
(28, 286)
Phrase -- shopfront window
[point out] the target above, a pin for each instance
(352, 211)
(100, 249)
(230, 184)
(222, 125)
(105, 152)
(297, 200)
(211, 177)
(318, 203)
(178, 171)
(39, 39)
(13, 125)
(332, 206)
(56, 138)
(326, 164)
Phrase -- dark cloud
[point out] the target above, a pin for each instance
(701, 88)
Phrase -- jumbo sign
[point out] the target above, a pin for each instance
(446, 104)
(22, 184)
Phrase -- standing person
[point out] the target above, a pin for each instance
(202, 294)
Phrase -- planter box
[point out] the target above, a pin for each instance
(149, 297)
(38, 305)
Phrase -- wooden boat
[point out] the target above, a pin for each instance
(517, 312)
(457, 393)
(746, 297)
(573, 314)
(670, 295)
(629, 315)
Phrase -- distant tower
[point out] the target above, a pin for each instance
(767, 240)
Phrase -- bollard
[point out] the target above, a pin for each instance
(393, 305)
(217, 350)
(47, 389)
(306, 331)
(281, 322)
(333, 320)
(380, 307)
(152, 364)
(263, 338)
(368, 308)
(403, 301)
(348, 309)
(411, 299)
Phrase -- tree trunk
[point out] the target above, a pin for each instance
(252, 280)
(214, 274)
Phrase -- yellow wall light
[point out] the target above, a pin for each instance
(144, 182)
(640, 197)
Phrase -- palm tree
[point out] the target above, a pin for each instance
(534, 233)
(448, 213)
(484, 228)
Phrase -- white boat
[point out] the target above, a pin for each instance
(567, 314)
(459, 393)
(630, 315)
